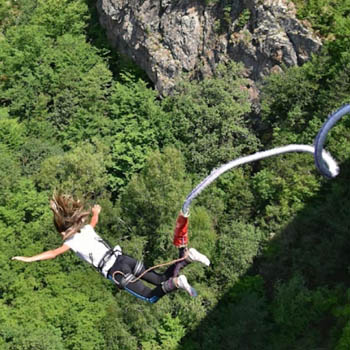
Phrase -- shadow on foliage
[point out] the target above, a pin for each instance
(290, 297)
(117, 62)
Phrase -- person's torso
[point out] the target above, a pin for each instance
(90, 247)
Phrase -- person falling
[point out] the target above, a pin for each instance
(125, 271)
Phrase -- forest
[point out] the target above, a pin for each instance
(78, 117)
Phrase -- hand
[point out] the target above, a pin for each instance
(22, 258)
(96, 209)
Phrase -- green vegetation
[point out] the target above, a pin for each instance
(78, 117)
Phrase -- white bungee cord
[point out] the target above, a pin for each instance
(321, 138)
(326, 159)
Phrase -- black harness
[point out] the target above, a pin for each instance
(110, 252)
(107, 256)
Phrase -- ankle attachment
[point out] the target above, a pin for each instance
(180, 231)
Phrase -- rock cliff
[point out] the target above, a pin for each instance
(170, 37)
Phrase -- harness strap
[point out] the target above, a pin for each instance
(126, 280)
(111, 252)
(138, 268)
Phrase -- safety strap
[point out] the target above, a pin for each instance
(107, 256)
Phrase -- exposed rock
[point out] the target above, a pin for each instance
(169, 37)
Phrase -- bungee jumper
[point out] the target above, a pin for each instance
(126, 272)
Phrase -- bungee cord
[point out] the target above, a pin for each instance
(324, 155)
(320, 139)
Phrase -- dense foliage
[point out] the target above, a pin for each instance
(77, 117)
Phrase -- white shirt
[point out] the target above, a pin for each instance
(89, 246)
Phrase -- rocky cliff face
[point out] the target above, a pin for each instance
(170, 37)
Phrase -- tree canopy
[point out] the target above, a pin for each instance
(75, 116)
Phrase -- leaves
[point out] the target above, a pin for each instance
(209, 119)
(73, 119)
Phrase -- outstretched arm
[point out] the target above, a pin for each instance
(50, 254)
(95, 213)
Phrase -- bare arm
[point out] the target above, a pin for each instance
(49, 254)
(95, 213)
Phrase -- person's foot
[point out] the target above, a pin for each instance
(195, 255)
(183, 284)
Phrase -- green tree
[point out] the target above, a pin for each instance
(10, 170)
(81, 171)
(44, 338)
(237, 247)
(60, 17)
(170, 332)
(295, 309)
(139, 127)
(210, 119)
(152, 199)
(11, 133)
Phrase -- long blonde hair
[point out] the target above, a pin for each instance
(68, 214)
